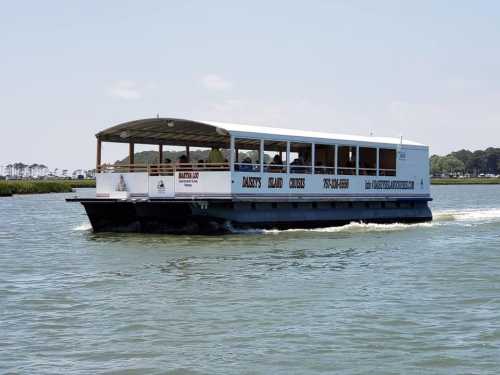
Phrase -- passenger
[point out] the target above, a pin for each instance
(318, 168)
(297, 163)
(246, 165)
(215, 156)
(362, 170)
(276, 165)
(182, 162)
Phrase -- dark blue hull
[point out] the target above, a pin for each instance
(219, 216)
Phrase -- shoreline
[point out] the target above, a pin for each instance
(465, 181)
(9, 188)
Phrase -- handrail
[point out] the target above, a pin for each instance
(387, 172)
(320, 169)
(162, 169)
(170, 168)
(350, 171)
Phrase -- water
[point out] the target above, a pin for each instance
(386, 299)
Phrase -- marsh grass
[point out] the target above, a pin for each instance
(43, 186)
(465, 181)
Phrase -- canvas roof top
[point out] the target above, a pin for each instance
(180, 132)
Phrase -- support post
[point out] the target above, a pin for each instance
(261, 157)
(98, 157)
(378, 163)
(357, 160)
(160, 152)
(131, 156)
(336, 162)
(313, 157)
(288, 157)
(187, 154)
(231, 154)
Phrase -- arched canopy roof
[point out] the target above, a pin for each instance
(168, 131)
(181, 132)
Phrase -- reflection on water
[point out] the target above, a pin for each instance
(419, 298)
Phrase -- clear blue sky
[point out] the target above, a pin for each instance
(429, 70)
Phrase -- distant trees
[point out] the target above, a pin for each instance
(446, 164)
(467, 162)
(36, 170)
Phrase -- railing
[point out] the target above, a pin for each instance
(122, 168)
(246, 167)
(275, 168)
(170, 169)
(319, 169)
(367, 171)
(346, 171)
(300, 169)
(386, 172)
(161, 169)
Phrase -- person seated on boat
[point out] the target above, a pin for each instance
(182, 162)
(276, 164)
(200, 164)
(362, 170)
(215, 156)
(318, 168)
(297, 163)
(246, 165)
(350, 167)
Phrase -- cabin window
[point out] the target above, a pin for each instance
(324, 159)
(367, 161)
(275, 157)
(247, 155)
(387, 162)
(347, 160)
(300, 157)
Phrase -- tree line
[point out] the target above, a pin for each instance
(462, 162)
(21, 169)
(37, 170)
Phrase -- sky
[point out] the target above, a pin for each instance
(426, 70)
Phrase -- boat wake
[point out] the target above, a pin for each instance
(464, 217)
(353, 227)
(468, 215)
(83, 227)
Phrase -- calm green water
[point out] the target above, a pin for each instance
(386, 299)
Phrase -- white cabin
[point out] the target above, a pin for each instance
(262, 163)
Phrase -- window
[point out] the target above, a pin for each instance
(247, 155)
(301, 157)
(275, 157)
(367, 161)
(387, 162)
(324, 156)
(347, 160)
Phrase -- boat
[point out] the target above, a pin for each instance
(255, 177)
